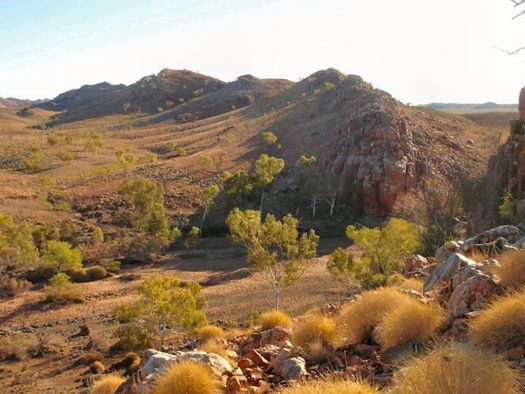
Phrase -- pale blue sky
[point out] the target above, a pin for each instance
(418, 50)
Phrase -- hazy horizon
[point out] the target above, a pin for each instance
(420, 53)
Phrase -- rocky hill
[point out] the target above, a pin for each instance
(471, 108)
(163, 93)
(13, 102)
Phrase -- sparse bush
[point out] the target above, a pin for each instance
(164, 307)
(330, 387)
(67, 230)
(275, 318)
(97, 236)
(341, 266)
(112, 266)
(52, 139)
(66, 157)
(78, 275)
(107, 384)
(18, 346)
(62, 290)
(192, 238)
(210, 333)
(412, 321)
(10, 287)
(457, 368)
(96, 272)
(512, 269)
(501, 325)
(205, 161)
(187, 377)
(314, 330)
(269, 137)
(94, 143)
(358, 319)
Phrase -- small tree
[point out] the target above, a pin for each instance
(266, 168)
(269, 137)
(385, 249)
(61, 256)
(342, 267)
(16, 243)
(309, 179)
(236, 186)
(207, 199)
(67, 230)
(97, 236)
(164, 307)
(507, 209)
(147, 200)
(274, 247)
(192, 238)
(330, 188)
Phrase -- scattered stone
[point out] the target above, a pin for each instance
(292, 369)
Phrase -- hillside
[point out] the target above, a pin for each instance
(461, 108)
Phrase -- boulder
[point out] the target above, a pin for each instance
(292, 369)
(495, 238)
(414, 263)
(445, 251)
(471, 294)
(521, 105)
(444, 272)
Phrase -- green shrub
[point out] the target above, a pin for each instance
(62, 291)
(78, 275)
(16, 244)
(96, 272)
(61, 256)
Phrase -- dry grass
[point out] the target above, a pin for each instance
(399, 281)
(512, 269)
(330, 387)
(215, 347)
(410, 322)
(275, 318)
(210, 333)
(501, 326)
(107, 385)
(457, 368)
(314, 331)
(358, 319)
(187, 378)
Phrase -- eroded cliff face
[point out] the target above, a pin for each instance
(507, 167)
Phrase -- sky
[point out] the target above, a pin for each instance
(420, 51)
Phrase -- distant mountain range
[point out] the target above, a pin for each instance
(472, 108)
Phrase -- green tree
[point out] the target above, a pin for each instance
(192, 238)
(16, 243)
(507, 209)
(266, 168)
(274, 247)
(385, 249)
(147, 200)
(342, 267)
(309, 181)
(207, 200)
(164, 307)
(269, 137)
(61, 256)
(236, 186)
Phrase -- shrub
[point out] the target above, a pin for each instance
(512, 269)
(60, 256)
(211, 333)
(275, 318)
(11, 287)
(65, 156)
(456, 368)
(107, 385)
(78, 275)
(52, 139)
(62, 290)
(164, 306)
(187, 378)
(16, 243)
(412, 321)
(330, 387)
(501, 326)
(358, 319)
(96, 272)
(311, 331)
(18, 346)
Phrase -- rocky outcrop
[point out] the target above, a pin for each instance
(507, 166)
(446, 271)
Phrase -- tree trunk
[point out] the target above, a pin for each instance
(314, 206)
(262, 200)
(203, 216)
(276, 294)
(332, 204)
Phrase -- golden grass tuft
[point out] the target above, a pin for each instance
(501, 325)
(512, 269)
(330, 387)
(358, 319)
(313, 331)
(275, 318)
(187, 378)
(210, 333)
(107, 385)
(412, 321)
(457, 368)
(400, 282)
(394, 280)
